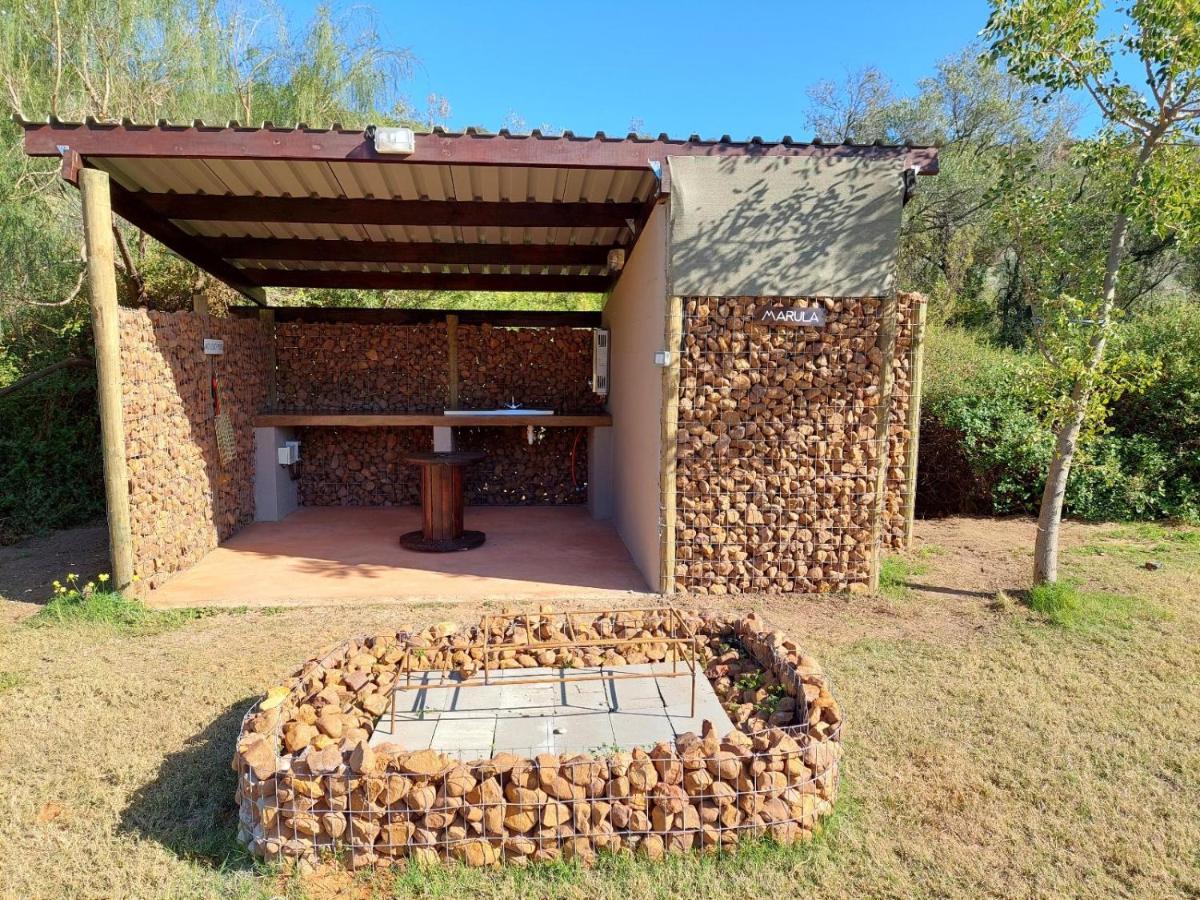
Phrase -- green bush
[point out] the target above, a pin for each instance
(984, 450)
(50, 470)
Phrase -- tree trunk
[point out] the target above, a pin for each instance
(1066, 436)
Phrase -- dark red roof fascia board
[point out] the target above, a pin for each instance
(205, 142)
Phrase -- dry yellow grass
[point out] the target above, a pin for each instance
(988, 752)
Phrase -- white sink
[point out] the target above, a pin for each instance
(500, 412)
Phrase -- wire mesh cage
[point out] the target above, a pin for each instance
(774, 774)
(778, 445)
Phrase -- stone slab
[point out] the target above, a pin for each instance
(475, 720)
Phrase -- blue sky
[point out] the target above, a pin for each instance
(681, 67)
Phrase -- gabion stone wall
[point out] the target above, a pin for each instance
(343, 367)
(777, 446)
(360, 466)
(403, 368)
(540, 368)
(310, 786)
(365, 466)
(552, 470)
(182, 499)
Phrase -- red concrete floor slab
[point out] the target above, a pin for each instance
(344, 553)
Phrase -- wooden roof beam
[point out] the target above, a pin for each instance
(367, 211)
(214, 142)
(298, 249)
(418, 281)
(512, 318)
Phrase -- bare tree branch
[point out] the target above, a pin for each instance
(131, 268)
(69, 362)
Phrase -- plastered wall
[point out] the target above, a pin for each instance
(635, 313)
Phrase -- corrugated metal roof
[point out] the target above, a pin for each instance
(474, 132)
(334, 164)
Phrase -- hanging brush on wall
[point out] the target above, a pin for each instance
(226, 444)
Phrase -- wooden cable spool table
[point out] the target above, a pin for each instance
(442, 503)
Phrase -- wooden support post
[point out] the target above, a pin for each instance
(672, 342)
(916, 383)
(106, 327)
(266, 318)
(452, 360)
(883, 416)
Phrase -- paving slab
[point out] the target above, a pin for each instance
(472, 720)
(411, 735)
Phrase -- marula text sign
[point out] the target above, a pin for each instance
(796, 316)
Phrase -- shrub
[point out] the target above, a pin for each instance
(984, 449)
(50, 472)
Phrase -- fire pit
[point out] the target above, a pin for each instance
(375, 752)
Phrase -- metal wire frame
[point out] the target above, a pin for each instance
(815, 444)
(746, 792)
(486, 649)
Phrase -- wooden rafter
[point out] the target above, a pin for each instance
(419, 281)
(404, 252)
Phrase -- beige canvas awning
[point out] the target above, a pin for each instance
(784, 227)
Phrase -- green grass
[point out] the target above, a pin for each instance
(1153, 531)
(10, 680)
(113, 609)
(622, 875)
(895, 572)
(1142, 542)
(1063, 604)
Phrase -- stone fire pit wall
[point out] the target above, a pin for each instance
(310, 787)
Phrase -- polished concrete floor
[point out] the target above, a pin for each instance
(474, 720)
(345, 553)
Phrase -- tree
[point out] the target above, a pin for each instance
(849, 110)
(1057, 45)
(972, 110)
